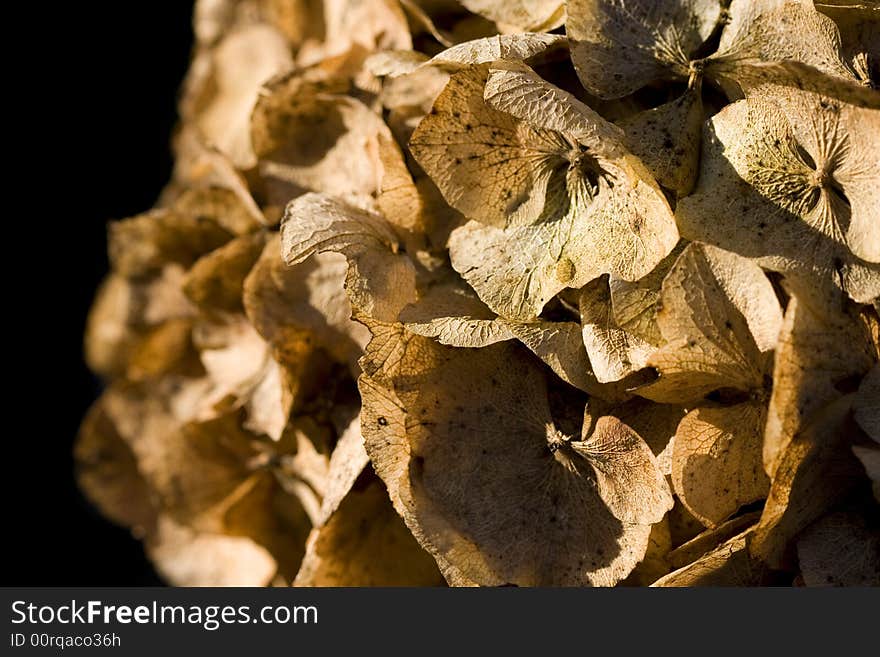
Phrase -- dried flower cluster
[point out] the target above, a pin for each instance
(504, 293)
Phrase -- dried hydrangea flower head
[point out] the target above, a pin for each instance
(491, 293)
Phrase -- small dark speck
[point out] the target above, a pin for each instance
(382, 422)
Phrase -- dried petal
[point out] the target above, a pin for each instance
(365, 543)
(817, 361)
(124, 311)
(521, 15)
(790, 179)
(655, 564)
(425, 391)
(308, 136)
(303, 302)
(563, 201)
(453, 315)
(164, 350)
(223, 85)
(205, 181)
(357, 26)
(185, 557)
(525, 46)
(776, 31)
(215, 281)
(214, 18)
(814, 472)
(107, 472)
(144, 244)
(640, 497)
(727, 565)
(667, 139)
(614, 352)
(560, 346)
(633, 303)
(380, 282)
(840, 550)
(619, 46)
(866, 406)
(719, 319)
(412, 86)
(869, 455)
(347, 462)
(655, 423)
(710, 539)
(716, 461)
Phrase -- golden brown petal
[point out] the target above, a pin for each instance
(432, 412)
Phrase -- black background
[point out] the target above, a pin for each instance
(96, 86)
